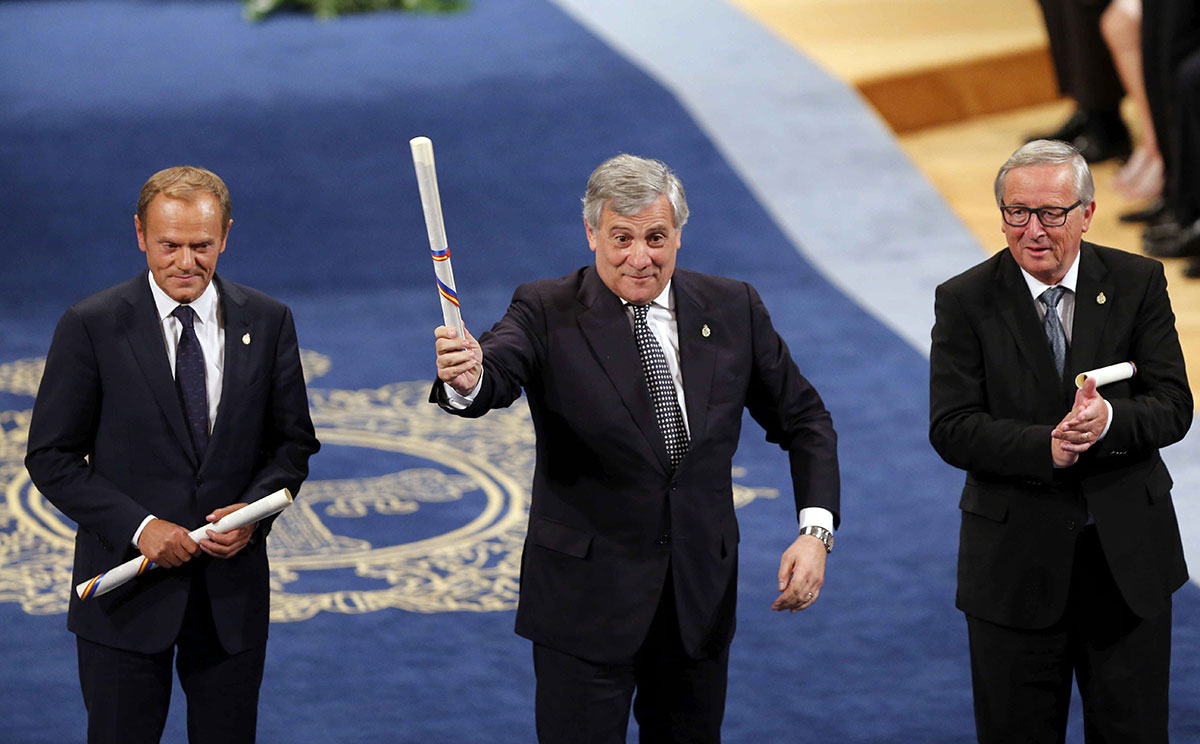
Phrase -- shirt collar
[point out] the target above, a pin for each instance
(664, 300)
(1036, 287)
(205, 305)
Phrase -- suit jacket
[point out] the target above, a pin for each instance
(108, 394)
(608, 515)
(995, 397)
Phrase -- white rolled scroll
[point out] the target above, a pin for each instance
(1105, 375)
(115, 577)
(431, 203)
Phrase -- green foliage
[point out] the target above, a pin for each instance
(255, 10)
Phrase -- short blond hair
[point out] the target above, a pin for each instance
(179, 182)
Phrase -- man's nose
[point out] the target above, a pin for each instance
(1034, 228)
(187, 258)
(640, 255)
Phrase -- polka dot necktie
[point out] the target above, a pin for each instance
(1052, 325)
(662, 387)
(189, 379)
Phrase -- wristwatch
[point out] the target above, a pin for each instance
(821, 534)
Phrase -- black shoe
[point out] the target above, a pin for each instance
(1152, 213)
(1166, 231)
(1103, 138)
(1185, 244)
(1098, 135)
(1192, 270)
(1070, 129)
(1098, 149)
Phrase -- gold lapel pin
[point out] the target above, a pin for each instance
(1101, 299)
(705, 331)
(246, 339)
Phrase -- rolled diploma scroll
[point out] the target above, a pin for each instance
(431, 201)
(1105, 375)
(111, 579)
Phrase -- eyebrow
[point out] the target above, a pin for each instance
(168, 240)
(660, 227)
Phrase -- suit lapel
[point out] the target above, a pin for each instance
(1016, 307)
(605, 326)
(1091, 312)
(697, 353)
(238, 347)
(139, 317)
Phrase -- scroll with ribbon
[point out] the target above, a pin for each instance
(134, 567)
(431, 202)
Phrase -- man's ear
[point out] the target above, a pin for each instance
(141, 235)
(591, 235)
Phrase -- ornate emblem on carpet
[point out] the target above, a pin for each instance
(406, 507)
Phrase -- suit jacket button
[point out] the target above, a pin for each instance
(199, 481)
(1071, 524)
(663, 539)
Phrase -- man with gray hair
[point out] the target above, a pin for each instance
(1069, 549)
(637, 374)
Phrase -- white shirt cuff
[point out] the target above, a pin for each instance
(459, 402)
(1108, 425)
(816, 516)
(141, 527)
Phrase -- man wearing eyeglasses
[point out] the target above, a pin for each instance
(1069, 549)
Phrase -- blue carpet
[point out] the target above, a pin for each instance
(308, 122)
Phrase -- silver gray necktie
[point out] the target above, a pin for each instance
(1052, 325)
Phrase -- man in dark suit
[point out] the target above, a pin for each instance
(1069, 550)
(170, 399)
(637, 374)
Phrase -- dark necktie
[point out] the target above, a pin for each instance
(662, 387)
(189, 379)
(1052, 324)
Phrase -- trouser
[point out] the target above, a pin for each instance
(127, 694)
(678, 698)
(1121, 662)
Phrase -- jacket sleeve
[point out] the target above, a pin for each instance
(791, 411)
(1159, 412)
(513, 351)
(961, 428)
(62, 435)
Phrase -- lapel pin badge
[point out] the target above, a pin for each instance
(1101, 299)
(246, 339)
(705, 331)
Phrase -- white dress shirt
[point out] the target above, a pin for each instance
(211, 334)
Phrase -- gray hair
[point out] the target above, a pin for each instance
(1049, 152)
(627, 184)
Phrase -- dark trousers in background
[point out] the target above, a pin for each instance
(1022, 678)
(127, 694)
(1170, 36)
(1170, 32)
(678, 698)
(1082, 63)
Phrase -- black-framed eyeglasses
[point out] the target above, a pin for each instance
(1047, 216)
